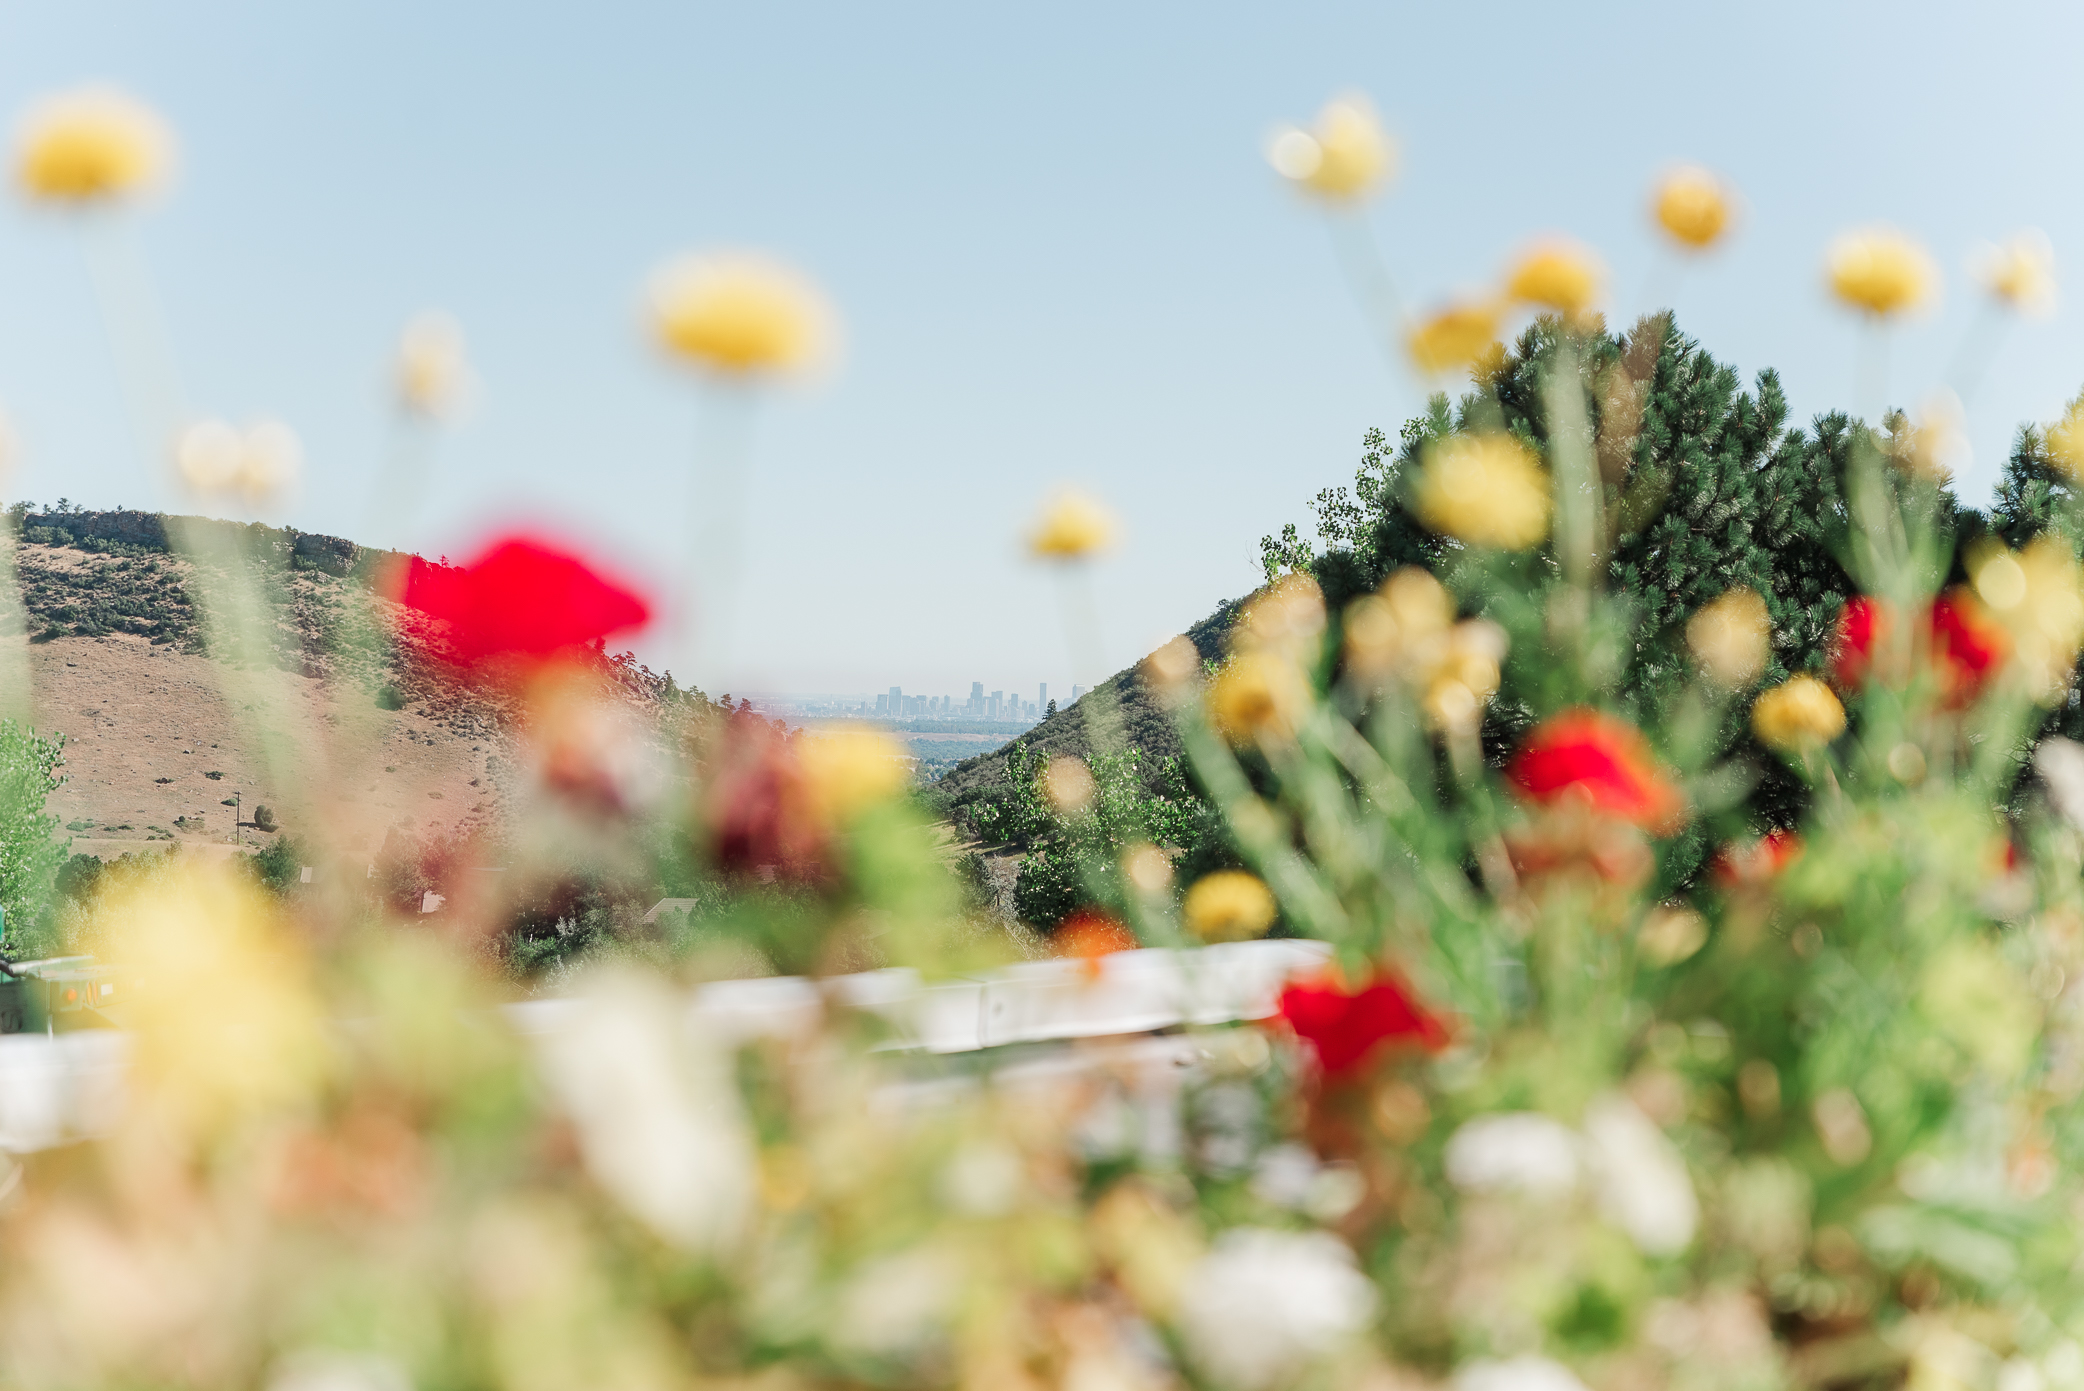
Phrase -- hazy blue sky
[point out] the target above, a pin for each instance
(1056, 248)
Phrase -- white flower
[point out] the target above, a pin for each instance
(1262, 1305)
(2060, 762)
(1516, 1374)
(658, 1119)
(1642, 1182)
(1515, 1152)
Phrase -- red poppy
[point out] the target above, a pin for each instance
(1757, 862)
(1861, 624)
(1346, 1027)
(1968, 646)
(762, 818)
(1601, 761)
(1087, 934)
(522, 597)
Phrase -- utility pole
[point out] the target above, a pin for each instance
(239, 817)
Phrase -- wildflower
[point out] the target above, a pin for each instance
(1258, 697)
(1759, 862)
(1640, 1181)
(91, 145)
(1484, 490)
(1670, 935)
(1586, 756)
(1526, 1372)
(1693, 206)
(1458, 336)
(1074, 525)
(1229, 906)
(1386, 631)
(1344, 157)
(1263, 1306)
(215, 459)
(1460, 679)
(1967, 644)
(2037, 596)
(2060, 762)
(1068, 785)
(1862, 625)
(2065, 441)
(1345, 1028)
(2019, 274)
(1880, 270)
(1935, 446)
(431, 370)
(738, 314)
(1731, 638)
(1288, 618)
(848, 771)
(1798, 715)
(1558, 275)
(1513, 1152)
(1087, 934)
(655, 1110)
(522, 597)
(1148, 869)
(760, 813)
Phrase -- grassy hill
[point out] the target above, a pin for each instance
(162, 748)
(1144, 724)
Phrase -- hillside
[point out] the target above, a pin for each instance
(163, 740)
(1144, 724)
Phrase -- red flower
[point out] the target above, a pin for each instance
(1861, 624)
(1763, 859)
(522, 597)
(1599, 760)
(1968, 646)
(1345, 1028)
(1087, 934)
(762, 817)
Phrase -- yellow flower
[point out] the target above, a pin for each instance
(1229, 906)
(92, 144)
(1461, 676)
(2038, 595)
(1345, 157)
(2020, 274)
(1880, 270)
(1556, 274)
(1694, 206)
(1730, 638)
(1935, 446)
(1074, 524)
(740, 313)
(1458, 336)
(192, 936)
(849, 771)
(1148, 869)
(1388, 630)
(1068, 784)
(1287, 618)
(2065, 439)
(215, 459)
(1172, 668)
(1258, 696)
(1485, 490)
(431, 370)
(1799, 714)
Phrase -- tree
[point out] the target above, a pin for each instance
(30, 848)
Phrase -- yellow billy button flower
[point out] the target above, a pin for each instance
(1460, 335)
(1798, 715)
(740, 314)
(2065, 441)
(91, 145)
(2038, 595)
(1934, 446)
(1229, 906)
(1287, 618)
(2019, 274)
(1881, 271)
(1556, 274)
(1730, 638)
(1396, 629)
(1072, 526)
(1485, 490)
(1068, 784)
(849, 771)
(431, 370)
(1344, 157)
(1258, 697)
(215, 459)
(1693, 206)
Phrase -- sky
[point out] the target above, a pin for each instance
(1049, 232)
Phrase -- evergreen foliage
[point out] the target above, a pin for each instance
(30, 848)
